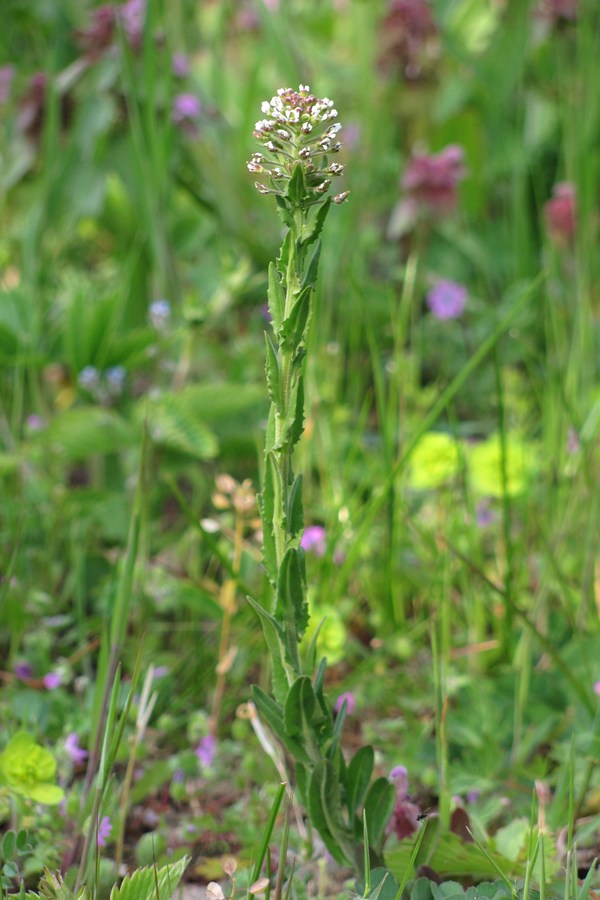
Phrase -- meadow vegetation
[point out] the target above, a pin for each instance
(335, 631)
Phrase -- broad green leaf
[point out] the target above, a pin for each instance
(291, 607)
(299, 707)
(358, 777)
(276, 297)
(379, 804)
(317, 814)
(274, 638)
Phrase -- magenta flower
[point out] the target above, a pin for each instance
(74, 751)
(314, 540)
(560, 214)
(597, 688)
(52, 680)
(447, 299)
(205, 751)
(186, 107)
(104, 830)
(405, 817)
(431, 180)
(349, 699)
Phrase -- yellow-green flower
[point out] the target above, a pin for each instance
(434, 461)
(485, 466)
(29, 769)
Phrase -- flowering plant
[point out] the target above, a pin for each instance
(296, 140)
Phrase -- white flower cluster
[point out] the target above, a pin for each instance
(300, 129)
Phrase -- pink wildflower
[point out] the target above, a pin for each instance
(431, 180)
(314, 540)
(52, 680)
(205, 751)
(349, 699)
(407, 31)
(560, 214)
(76, 753)
(104, 830)
(447, 299)
(405, 817)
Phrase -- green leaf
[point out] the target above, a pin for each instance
(317, 813)
(151, 883)
(276, 297)
(295, 511)
(267, 510)
(313, 230)
(449, 890)
(284, 256)
(273, 373)
(291, 607)
(299, 707)
(294, 325)
(310, 276)
(358, 777)
(8, 845)
(379, 804)
(273, 716)
(175, 424)
(296, 189)
(296, 421)
(275, 642)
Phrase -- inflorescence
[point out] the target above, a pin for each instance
(299, 131)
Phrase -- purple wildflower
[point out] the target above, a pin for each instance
(186, 110)
(597, 688)
(132, 16)
(447, 299)
(52, 680)
(23, 670)
(314, 540)
(431, 180)
(104, 830)
(74, 751)
(405, 817)
(205, 751)
(34, 422)
(473, 796)
(349, 699)
(180, 65)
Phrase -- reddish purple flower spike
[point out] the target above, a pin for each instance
(447, 299)
(431, 180)
(560, 213)
(558, 10)
(597, 688)
(405, 817)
